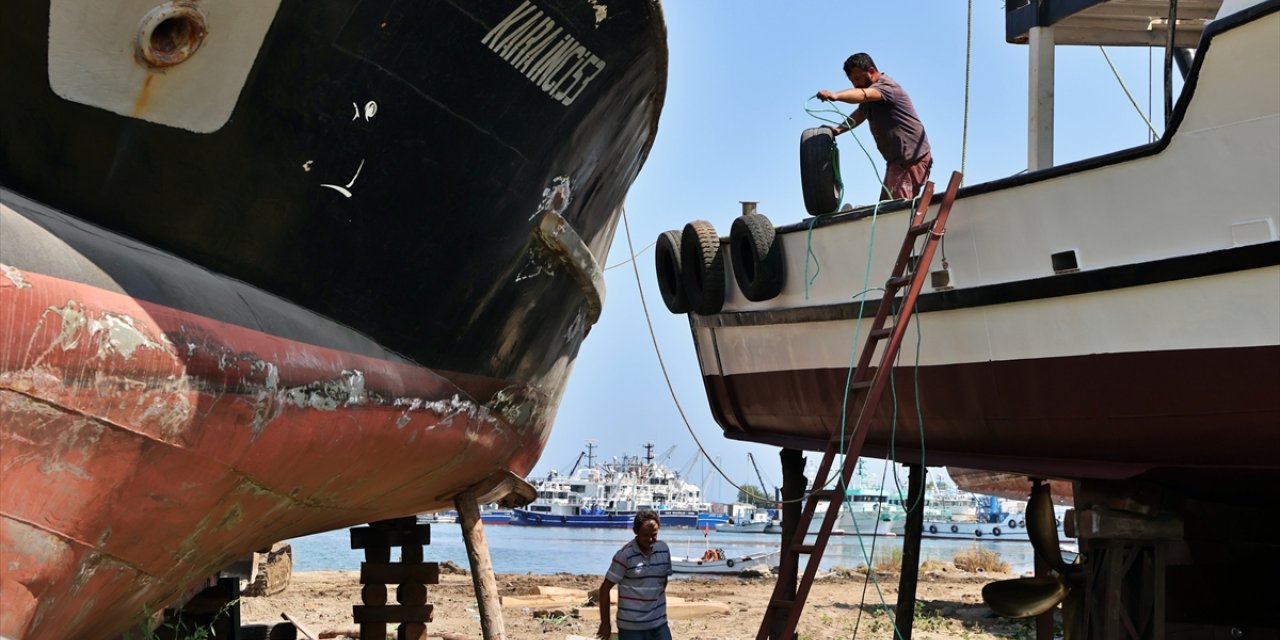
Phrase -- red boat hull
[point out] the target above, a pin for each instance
(144, 448)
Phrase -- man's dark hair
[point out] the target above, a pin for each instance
(861, 61)
(644, 515)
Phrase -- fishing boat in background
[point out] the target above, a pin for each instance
(494, 516)
(744, 518)
(269, 268)
(1112, 323)
(609, 495)
(867, 510)
(714, 562)
(955, 514)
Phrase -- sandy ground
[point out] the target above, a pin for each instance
(949, 606)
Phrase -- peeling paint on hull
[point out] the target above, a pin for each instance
(143, 448)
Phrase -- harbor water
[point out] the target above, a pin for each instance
(549, 550)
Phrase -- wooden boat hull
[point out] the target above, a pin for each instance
(1103, 319)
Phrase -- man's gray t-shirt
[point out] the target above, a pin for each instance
(894, 124)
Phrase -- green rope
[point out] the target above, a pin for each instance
(809, 254)
(861, 296)
(1126, 92)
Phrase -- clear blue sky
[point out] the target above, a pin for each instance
(740, 72)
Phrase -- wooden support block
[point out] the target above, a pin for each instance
(377, 554)
(395, 523)
(374, 594)
(412, 631)
(393, 613)
(411, 593)
(411, 553)
(373, 631)
(1103, 523)
(399, 572)
(367, 537)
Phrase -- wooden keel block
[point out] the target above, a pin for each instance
(374, 594)
(393, 613)
(400, 572)
(412, 594)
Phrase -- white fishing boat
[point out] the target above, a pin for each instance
(715, 562)
(1112, 324)
(758, 522)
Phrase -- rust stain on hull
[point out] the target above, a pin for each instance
(143, 100)
(143, 448)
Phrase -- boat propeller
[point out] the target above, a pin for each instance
(1027, 597)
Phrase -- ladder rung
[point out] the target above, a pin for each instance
(803, 548)
(825, 494)
(920, 229)
(894, 283)
(781, 602)
(856, 386)
(881, 334)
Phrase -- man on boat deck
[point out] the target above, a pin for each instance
(640, 569)
(897, 129)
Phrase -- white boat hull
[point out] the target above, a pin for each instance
(727, 566)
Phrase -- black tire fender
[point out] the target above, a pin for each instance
(819, 162)
(977, 533)
(955, 529)
(756, 252)
(729, 563)
(702, 267)
(666, 261)
(995, 531)
(1013, 524)
(933, 528)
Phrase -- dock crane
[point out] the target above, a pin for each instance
(759, 476)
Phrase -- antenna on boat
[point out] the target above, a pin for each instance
(591, 454)
(648, 453)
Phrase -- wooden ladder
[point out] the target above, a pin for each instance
(905, 275)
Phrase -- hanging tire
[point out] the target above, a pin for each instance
(977, 533)
(995, 531)
(666, 261)
(729, 563)
(702, 267)
(1013, 524)
(757, 257)
(819, 162)
(955, 529)
(933, 528)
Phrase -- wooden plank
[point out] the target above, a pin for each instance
(399, 572)
(492, 626)
(297, 624)
(392, 613)
(369, 537)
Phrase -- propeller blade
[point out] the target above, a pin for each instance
(1042, 529)
(1024, 597)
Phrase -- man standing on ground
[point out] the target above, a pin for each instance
(640, 569)
(897, 129)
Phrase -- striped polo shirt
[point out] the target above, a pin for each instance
(642, 585)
